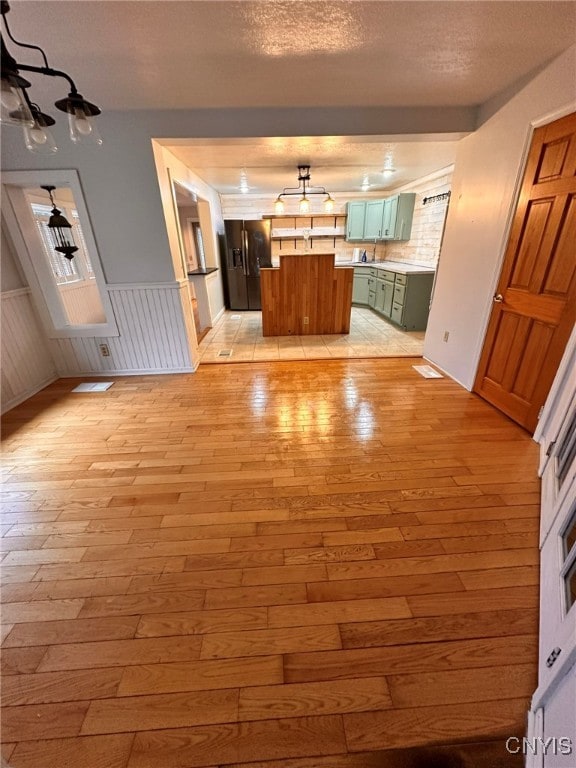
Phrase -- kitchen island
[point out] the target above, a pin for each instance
(306, 295)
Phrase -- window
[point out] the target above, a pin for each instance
(70, 295)
(199, 243)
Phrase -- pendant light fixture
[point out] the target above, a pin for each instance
(304, 192)
(60, 229)
(17, 109)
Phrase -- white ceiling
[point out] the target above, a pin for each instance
(202, 54)
(339, 163)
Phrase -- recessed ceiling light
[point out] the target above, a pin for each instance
(244, 188)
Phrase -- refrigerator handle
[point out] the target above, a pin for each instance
(245, 253)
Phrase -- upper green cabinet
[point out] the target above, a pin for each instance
(387, 219)
(373, 219)
(355, 220)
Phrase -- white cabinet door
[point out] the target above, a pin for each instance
(553, 712)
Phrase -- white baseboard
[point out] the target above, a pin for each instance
(126, 372)
(448, 375)
(218, 316)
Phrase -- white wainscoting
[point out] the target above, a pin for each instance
(82, 302)
(153, 339)
(27, 365)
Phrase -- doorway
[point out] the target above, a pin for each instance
(534, 306)
(188, 220)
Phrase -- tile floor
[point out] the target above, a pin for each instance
(370, 336)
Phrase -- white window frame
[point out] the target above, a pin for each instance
(22, 228)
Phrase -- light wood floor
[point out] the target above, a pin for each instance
(325, 564)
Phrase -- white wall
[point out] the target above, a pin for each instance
(488, 165)
(10, 275)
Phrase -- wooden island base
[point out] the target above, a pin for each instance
(306, 295)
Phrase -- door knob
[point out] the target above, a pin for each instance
(498, 299)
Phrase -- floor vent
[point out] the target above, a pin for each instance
(427, 371)
(100, 386)
(225, 353)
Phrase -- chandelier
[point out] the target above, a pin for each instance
(60, 229)
(18, 109)
(303, 191)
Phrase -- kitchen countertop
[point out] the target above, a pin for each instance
(391, 266)
(207, 271)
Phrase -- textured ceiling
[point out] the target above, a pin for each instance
(136, 54)
(202, 54)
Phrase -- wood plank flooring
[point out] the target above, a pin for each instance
(327, 564)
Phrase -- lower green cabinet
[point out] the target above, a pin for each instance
(402, 298)
(388, 296)
(379, 301)
(411, 301)
(360, 287)
(371, 294)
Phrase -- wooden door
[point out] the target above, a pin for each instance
(535, 302)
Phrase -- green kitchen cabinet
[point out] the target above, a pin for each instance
(389, 217)
(360, 288)
(388, 291)
(372, 291)
(386, 219)
(380, 295)
(398, 215)
(402, 298)
(373, 219)
(355, 216)
(411, 301)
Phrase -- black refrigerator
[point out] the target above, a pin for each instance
(247, 249)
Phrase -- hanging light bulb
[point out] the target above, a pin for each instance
(80, 114)
(10, 96)
(279, 206)
(16, 107)
(329, 204)
(15, 110)
(304, 205)
(38, 138)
